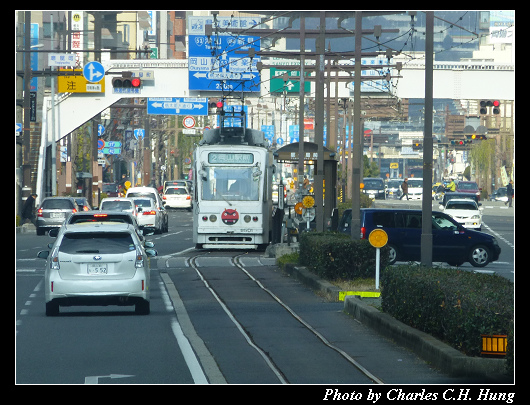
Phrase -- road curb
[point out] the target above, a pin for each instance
(430, 349)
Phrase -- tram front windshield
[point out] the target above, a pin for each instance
(230, 183)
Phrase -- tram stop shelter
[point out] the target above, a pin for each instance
(289, 154)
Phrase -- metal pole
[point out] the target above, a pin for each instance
(53, 144)
(301, 108)
(319, 123)
(357, 151)
(426, 231)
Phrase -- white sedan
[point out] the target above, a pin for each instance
(464, 211)
(148, 217)
(97, 264)
(177, 197)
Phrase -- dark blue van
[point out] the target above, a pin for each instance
(452, 243)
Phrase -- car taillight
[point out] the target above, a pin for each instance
(188, 197)
(54, 262)
(153, 212)
(39, 212)
(363, 233)
(85, 208)
(139, 259)
(74, 210)
(164, 197)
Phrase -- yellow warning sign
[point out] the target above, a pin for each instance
(78, 84)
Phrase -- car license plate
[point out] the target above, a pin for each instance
(371, 195)
(97, 268)
(56, 215)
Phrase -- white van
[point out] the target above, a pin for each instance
(415, 188)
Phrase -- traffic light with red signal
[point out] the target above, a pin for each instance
(126, 83)
(486, 104)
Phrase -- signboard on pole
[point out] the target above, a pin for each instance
(213, 64)
(177, 106)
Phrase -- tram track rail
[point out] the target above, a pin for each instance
(236, 262)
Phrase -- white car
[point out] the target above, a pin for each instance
(118, 204)
(97, 264)
(464, 211)
(151, 193)
(415, 188)
(148, 217)
(177, 197)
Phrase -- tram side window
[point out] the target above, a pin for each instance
(230, 183)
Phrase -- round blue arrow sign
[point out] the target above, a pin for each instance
(94, 72)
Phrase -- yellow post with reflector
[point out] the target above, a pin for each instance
(377, 238)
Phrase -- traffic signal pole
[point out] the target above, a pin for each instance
(426, 208)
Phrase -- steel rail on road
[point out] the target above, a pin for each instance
(281, 377)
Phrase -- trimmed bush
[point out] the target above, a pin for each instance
(454, 306)
(333, 255)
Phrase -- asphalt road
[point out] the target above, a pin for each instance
(210, 323)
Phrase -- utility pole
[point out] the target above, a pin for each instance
(357, 151)
(426, 230)
(319, 123)
(301, 106)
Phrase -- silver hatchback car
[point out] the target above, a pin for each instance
(53, 211)
(97, 264)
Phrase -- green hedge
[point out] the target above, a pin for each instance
(333, 255)
(453, 305)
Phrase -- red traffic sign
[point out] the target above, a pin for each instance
(101, 144)
(188, 122)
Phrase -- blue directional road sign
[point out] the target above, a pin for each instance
(93, 72)
(177, 106)
(138, 133)
(213, 64)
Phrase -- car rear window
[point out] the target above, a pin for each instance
(460, 205)
(176, 191)
(116, 205)
(96, 242)
(143, 202)
(58, 204)
(78, 219)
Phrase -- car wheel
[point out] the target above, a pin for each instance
(52, 308)
(142, 308)
(479, 256)
(392, 254)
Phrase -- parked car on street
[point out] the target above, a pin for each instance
(465, 212)
(177, 197)
(452, 243)
(53, 211)
(97, 264)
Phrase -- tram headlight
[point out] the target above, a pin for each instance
(204, 218)
(246, 218)
(213, 217)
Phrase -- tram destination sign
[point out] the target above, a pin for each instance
(230, 158)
